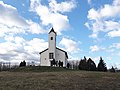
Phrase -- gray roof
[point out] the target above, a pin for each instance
(43, 51)
(52, 30)
(56, 48)
(63, 51)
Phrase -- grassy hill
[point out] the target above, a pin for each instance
(39, 69)
(50, 78)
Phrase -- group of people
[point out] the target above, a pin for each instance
(56, 63)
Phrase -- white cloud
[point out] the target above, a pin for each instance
(35, 45)
(4, 30)
(66, 6)
(9, 38)
(19, 40)
(94, 35)
(105, 19)
(96, 59)
(17, 49)
(10, 17)
(49, 15)
(113, 49)
(116, 2)
(12, 23)
(114, 33)
(8, 50)
(112, 25)
(53, 14)
(94, 48)
(110, 11)
(70, 45)
(35, 28)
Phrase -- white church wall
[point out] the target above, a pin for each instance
(60, 55)
(44, 59)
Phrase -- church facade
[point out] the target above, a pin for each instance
(52, 52)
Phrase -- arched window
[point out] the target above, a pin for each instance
(51, 38)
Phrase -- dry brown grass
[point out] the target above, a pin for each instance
(70, 80)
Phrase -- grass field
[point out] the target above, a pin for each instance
(60, 79)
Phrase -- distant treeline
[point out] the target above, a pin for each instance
(89, 65)
(83, 64)
(6, 66)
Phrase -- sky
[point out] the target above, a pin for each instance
(88, 28)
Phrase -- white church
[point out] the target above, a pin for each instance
(52, 52)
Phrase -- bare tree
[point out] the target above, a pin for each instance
(0, 66)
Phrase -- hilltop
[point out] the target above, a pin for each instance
(39, 69)
(55, 78)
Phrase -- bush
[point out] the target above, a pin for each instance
(23, 64)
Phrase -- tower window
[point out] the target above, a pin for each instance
(50, 55)
(51, 38)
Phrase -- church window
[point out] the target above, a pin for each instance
(51, 38)
(50, 55)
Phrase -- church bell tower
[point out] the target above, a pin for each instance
(52, 44)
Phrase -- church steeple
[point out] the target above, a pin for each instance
(52, 43)
(52, 30)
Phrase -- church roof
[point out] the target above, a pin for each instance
(58, 49)
(52, 30)
(63, 51)
(43, 51)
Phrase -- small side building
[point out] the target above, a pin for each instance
(52, 52)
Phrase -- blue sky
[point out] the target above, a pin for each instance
(88, 28)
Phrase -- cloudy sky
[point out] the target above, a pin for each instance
(88, 28)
